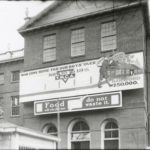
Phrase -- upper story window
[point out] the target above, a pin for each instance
(77, 42)
(15, 76)
(1, 78)
(15, 106)
(108, 36)
(49, 48)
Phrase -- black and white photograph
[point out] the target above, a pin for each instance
(74, 74)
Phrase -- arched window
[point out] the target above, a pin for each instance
(110, 135)
(80, 135)
(50, 129)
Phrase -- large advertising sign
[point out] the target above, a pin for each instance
(114, 73)
(81, 103)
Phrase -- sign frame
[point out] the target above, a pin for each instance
(82, 109)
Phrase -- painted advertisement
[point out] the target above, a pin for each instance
(114, 73)
(82, 103)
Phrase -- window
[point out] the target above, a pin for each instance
(108, 36)
(1, 107)
(77, 42)
(49, 48)
(80, 136)
(50, 129)
(15, 106)
(15, 76)
(1, 78)
(110, 135)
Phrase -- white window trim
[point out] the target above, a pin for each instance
(12, 76)
(47, 49)
(103, 133)
(13, 107)
(77, 42)
(70, 132)
(110, 49)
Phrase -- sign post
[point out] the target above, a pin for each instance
(58, 123)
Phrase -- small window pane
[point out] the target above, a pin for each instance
(114, 134)
(107, 134)
(49, 55)
(2, 78)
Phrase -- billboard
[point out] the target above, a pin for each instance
(114, 73)
(81, 103)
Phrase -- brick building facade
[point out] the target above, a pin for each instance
(79, 33)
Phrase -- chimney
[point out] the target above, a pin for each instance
(27, 18)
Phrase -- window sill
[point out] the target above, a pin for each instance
(14, 81)
(78, 56)
(110, 50)
(45, 62)
(15, 116)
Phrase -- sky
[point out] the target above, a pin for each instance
(12, 14)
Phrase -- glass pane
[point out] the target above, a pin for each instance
(80, 145)
(107, 134)
(78, 49)
(2, 78)
(111, 125)
(49, 41)
(15, 111)
(51, 129)
(15, 75)
(108, 29)
(77, 35)
(111, 144)
(80, 126)
(114, 134)
(109, 43)
(49, 55)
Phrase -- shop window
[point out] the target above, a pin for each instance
(15, 106)
(108, 36)
(15, 76)
(110, 137)
(2, 78)
(77, 42)
(49, 48)
(50, 129)
(80, 136)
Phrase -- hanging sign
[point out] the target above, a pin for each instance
(118, 72)
(82, 103)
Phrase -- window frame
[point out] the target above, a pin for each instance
(70, 132)
(103, 139)
(13, 81)
(106, 36)
(49, 48)
(18, 106)
(47, 126)
(2, 73)
(74, 43)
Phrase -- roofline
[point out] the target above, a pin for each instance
(28, 132)
(82, 16)
(40, 14)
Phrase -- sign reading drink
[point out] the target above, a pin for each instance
(118, 72)
(98, 101)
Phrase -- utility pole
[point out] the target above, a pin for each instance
(58, 121)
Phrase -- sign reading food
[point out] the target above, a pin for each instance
(117, 72)
(81, 103)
